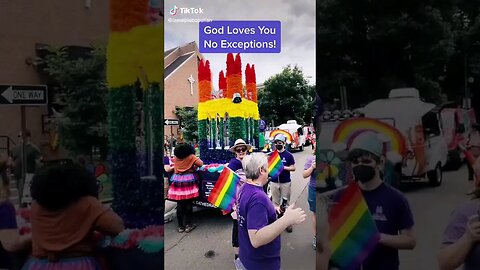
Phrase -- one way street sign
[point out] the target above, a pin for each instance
(172, 122)
(23, 95)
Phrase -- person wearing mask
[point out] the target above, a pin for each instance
(64, 216)
(281, 186)
(259, 229)
(461, 237)
(10, 239)
(240, 148)
(388, 206)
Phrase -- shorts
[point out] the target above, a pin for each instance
(279, 191)
(312, 199)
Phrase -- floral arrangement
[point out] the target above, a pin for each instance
(204, 81)
(219, 112)
(135, 50)
(149, 239)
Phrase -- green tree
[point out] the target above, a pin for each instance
(371, 47)
(286, 96)
(82, 122)
(189, 122)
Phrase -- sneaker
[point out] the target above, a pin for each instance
(289, 229)
(190, 228)
(314, 243)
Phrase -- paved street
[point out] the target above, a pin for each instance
(431, 208)
(189, 251)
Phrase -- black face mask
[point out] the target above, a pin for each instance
(363, 173)
(279, 147)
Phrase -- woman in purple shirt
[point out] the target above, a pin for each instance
(461, 238)
(10, 240)
(259, 230)
(240, 148)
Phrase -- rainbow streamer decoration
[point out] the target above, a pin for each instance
(348, 130)
(275, 165)
(224, 191)
(353, 232)
(218, 115)
(135, 52)
(283, 132)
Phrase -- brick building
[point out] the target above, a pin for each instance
(25, 28)
(181, 81)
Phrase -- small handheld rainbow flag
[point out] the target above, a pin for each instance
(353, 232)
(275, 165)
(224, 191)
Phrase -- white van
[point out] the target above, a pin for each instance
(421, 125)
(296, 130)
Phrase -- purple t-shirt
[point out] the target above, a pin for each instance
(7, 221)
(456, 228)
(234, 164)
(391, 212)
(255, 212)
(287, 160)
(308, 164)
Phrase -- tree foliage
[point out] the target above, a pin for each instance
(189, 122)
(82, 122)
(286, 96)
(371, 47)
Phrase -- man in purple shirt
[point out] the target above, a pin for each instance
(388, 206)
(259, 229)
(281, 186)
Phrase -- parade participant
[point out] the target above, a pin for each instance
(170, 206)
(473, 147)
(388, 206)
(65, 213)
(32, 156)
(240, 148)
(461, 237)
(259, 229)
(183, 187)
(10, 239)
(309, 172)
(281, 186)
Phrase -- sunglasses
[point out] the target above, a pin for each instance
(241, 150)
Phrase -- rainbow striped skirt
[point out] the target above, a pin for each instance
(183, 187)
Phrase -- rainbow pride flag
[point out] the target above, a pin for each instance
(275, 165)
(353, 232)
(224, 191)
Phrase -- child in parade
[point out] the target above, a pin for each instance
(183, 185)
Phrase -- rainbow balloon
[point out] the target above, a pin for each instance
(351, 128)
(283, 132)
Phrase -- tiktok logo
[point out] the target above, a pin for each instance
(174, 10)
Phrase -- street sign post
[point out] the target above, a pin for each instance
(23, 95)
(172, 122)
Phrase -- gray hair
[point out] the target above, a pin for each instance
(252, 164)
